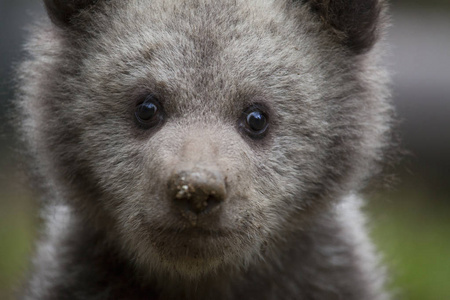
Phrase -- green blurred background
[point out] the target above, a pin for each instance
(410, 221)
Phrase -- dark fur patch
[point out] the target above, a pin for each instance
(62, 11)
(354, 21)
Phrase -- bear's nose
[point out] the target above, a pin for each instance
(197, 191)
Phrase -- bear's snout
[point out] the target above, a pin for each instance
(197, 191)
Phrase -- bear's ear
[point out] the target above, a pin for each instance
(357, 23)
(61, 12)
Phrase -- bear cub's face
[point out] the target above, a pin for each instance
(203, 131)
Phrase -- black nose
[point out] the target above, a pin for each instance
(197, 191)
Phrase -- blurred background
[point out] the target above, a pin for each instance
(410, 221)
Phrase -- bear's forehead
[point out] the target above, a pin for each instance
(204, 52)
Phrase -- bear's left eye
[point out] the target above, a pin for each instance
(255, 121)
(149, 113)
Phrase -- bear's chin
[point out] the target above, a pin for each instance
(196, 253)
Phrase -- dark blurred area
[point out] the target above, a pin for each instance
(410, 220)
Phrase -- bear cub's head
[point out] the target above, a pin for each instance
(200, 134)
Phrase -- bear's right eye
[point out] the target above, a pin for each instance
(149, 113)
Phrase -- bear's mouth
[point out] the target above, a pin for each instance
(200, 248)
(197, 232)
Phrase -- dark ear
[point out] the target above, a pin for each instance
(61, 12)
(356, 22)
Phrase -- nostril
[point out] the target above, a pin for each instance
(212, 202)
(199, 191)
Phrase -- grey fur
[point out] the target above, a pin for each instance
(290, 226)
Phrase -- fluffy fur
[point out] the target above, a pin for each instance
(290, 225)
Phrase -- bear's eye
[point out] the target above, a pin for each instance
(255, 121)
(149, 113)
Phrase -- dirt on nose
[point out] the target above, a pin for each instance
(198, 191)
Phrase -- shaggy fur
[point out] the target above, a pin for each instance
(289, 225)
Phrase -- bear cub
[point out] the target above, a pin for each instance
(205, 149)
